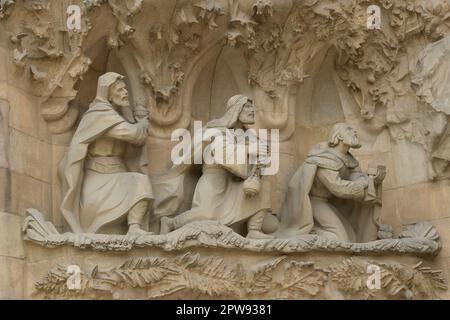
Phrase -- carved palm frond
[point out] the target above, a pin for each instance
(37, 229)
(412, 282)
(420, 230)
(262, 276)
(143, 272)
(396, 279)
(303, 279)
(54, 283)
(350, 276)
(211, 276)
(190, 274)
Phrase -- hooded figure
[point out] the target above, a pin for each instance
(330, 194)
(220, 194)
(103, 173)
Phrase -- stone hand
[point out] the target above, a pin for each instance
(140, 112)
(377, 172)
(252, 186)
(144, 123)
(142, 132)
(363, 183)
(379, 177)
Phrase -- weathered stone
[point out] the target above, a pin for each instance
(424, 201)
(19, 192)
(29, 156)
(4, 134)
(11, 244)
(11, 286)
(3, 63)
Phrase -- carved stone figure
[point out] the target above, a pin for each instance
(103, 172)
(229, 192)
(331, 195)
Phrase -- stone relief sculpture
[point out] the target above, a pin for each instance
(228, 192)
(395, 77)
(331, 173)
(103, 173)
(331, 204)
(283, 277)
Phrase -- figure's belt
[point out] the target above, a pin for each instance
(105, 164)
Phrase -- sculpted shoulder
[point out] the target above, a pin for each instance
(326, 158)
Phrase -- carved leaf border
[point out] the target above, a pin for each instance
(212, 277)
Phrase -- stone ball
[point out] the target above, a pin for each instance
(270, 223)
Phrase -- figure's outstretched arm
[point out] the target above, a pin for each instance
(344, 189)
(129, 132)
(358, 175)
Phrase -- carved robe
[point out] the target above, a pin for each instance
(219, 194)
(103, 173)
(326, 188)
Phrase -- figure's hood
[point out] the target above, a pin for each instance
(234, 108)
(104, 83)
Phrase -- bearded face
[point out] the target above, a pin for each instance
(118, 94)
(247, 115)
(350, 138)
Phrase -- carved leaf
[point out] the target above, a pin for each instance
(210, 276)
(213, 276)
(351, 277)
(303, 278)
(421, 229)
(54, 283)
(143, 272)
(412, 282)
(262, 276)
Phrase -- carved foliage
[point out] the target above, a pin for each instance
(377, 70)
(5, 8)
(190, 274)
(397, 280)
(174, 46)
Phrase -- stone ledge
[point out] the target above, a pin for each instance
(419, 239)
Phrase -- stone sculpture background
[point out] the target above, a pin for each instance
(305, 64)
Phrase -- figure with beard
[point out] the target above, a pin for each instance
(222, 193)
(331, 196)
(103, 173)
